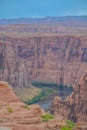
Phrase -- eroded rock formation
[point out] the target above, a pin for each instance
(46, 58)
(73, 107)
(17, 116)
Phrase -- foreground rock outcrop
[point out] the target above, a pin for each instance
(17, 116)
(74, 107)
(53, 59)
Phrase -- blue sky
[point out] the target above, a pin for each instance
(42, 8)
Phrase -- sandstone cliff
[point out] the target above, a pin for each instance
(43, 58)
(75, 106)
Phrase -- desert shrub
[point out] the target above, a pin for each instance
(69, 126)
(70, 123)
(47, 117)
(10, 109)
(26, 107)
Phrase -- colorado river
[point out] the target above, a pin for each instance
(46, 103)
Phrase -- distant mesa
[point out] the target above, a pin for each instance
(70, 21)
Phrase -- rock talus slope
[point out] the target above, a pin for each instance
(74, 107)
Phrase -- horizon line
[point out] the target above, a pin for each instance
(43, 17)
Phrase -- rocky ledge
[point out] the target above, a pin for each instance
(18, 116)
(74, 107)
(15, 115)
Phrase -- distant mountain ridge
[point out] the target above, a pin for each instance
(71, 21)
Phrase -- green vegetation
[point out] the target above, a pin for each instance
(26, 107)
(42, 95)
(10, 109)
(46, 90)
(47, 117)
(70, 125)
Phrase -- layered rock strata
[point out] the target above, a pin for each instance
(47, 58)
(74, 107)
(17, 116)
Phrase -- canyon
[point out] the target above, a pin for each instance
(49, 50)
(48, 53)
(51, 59)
